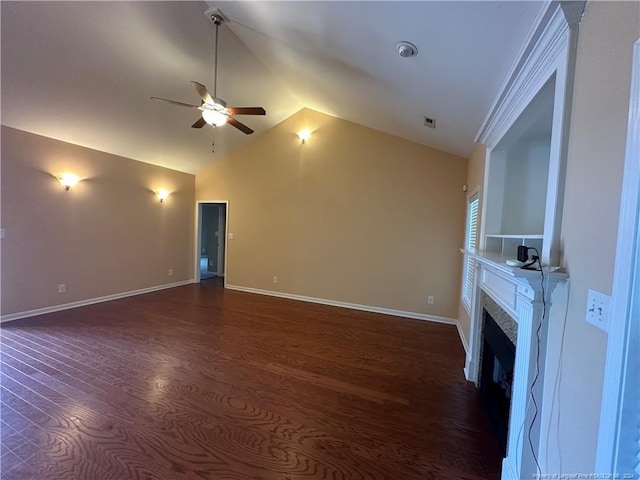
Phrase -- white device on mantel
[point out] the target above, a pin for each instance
(514, 263)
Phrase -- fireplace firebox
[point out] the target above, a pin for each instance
(496, 377)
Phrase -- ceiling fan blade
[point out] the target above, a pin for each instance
(203, 92)
(176, 103)
(240, 126)
(247, 111)
(199, 123)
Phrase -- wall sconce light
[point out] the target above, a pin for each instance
(162, 194)
(304, 135)
(68, 180)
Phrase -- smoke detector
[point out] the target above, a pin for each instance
(406, 49)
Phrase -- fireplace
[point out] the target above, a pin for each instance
(496, 377)
(516, 302)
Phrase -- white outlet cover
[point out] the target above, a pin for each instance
(598, 309)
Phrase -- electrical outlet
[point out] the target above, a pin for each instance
(171, 272)
(430, 299)
(275, 279)
(598, 309)
(230, 236)
(62, 288)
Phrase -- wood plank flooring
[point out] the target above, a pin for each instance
(198, 382)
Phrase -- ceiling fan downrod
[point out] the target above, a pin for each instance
(217, 21)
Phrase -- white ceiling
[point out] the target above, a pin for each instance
(83, 72)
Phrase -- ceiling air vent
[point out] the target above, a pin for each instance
(429, 122)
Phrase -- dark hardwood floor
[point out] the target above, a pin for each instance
(197, 382)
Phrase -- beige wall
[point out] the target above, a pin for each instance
(594, 177)
(108, 234)
(475, 181)
(354, 215)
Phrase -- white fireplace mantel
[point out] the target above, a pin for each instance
(519, 293)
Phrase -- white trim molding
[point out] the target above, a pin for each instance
(613, 455)
(353, 306)
(537, 59)
(89, 301)
(548, 55)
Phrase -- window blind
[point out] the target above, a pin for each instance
(471, 243)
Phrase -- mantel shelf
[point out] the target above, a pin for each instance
(499, 262)
(498, 235)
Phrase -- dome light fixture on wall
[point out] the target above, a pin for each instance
(304, 134)
(162, 194)
(68, 180)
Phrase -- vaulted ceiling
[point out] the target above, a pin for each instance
(83, 72)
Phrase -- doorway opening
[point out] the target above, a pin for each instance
(211, 257)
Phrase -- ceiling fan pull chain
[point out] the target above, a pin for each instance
(213, 143)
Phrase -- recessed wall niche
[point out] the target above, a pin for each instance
(516, 193)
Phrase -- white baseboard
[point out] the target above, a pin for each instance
(354, 306)
(90, 301)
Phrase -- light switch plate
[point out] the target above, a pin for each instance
(598, 309)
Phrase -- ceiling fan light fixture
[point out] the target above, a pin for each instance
(214, 117)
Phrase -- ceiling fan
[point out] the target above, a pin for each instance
(214, 110)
